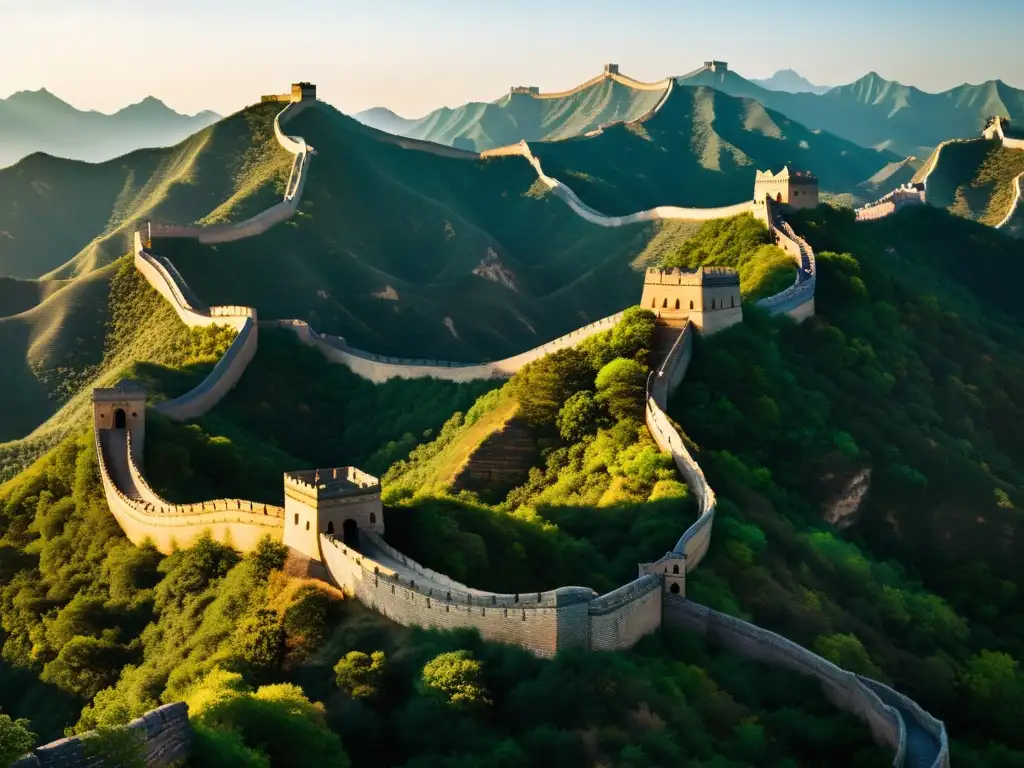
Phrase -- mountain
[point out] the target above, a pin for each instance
(976, 180)
(38, 121)
(429, 256)
(880, 113)
(63, 226)
(529, 116)
(701, 148)
(383, 119)
(791, 82)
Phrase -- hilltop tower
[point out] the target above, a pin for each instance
(797, 190)
(341, 501)
(716, 66)
(709, 297)
(525, 90)
(300, 92)
(122, 409)
(611, 69)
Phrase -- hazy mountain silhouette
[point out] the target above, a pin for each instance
(38, 121)
(790, 81)
(383, 119)
(880, 113)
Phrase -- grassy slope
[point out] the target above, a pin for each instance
(53, 334)
(56, 212)
(480, 126)
(975, 180)
(378, 220)
(701, 149)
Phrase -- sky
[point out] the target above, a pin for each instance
(416, 55)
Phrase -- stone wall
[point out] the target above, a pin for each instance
(146, 516)
(1018, 193)
(165, 731)
(908, 194)
(160, 274)
(888, 720)
(380, 368)
(570, 198)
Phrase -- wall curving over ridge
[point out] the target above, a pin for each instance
(917, 738)
(143, 515)
(165, 279)
(380, 368)
(1015, 206)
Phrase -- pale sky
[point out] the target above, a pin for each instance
(416, 55)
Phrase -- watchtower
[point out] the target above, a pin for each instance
(122, 408)
(716, 66)
(796, 189)
(611, 69)
(672, 570)
(341, 501)
(524, 90)
(303, 92)
(708, 296)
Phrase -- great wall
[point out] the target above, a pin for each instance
(916, 191)
(364, 565)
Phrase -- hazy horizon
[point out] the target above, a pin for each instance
(412, 58)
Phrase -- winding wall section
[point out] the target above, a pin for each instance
(544, 622)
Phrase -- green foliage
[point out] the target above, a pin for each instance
(621, 388)
(543, 386)
(123, 747)
(276, 721)
(579, 416)
(456, 677)
(16, 739)
(359, 674)
(259, 639)
(847, 652)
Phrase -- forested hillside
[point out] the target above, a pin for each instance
(701, 149)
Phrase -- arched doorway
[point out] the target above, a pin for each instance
(330, 527)
(120, 419)
(778, 198)
(350, 533)
(674, 589)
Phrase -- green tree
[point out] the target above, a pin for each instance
(15, 739)
(620, 388)
(846, 651)
(456, 677)
(543, 386)
(579, 417)
(359, 674)
(259, 639)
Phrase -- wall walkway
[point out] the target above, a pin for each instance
(165, 732)
(1018, 193)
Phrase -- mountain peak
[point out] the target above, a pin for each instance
(791, 81)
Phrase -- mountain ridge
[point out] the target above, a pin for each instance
(39, 121)
(790, 81)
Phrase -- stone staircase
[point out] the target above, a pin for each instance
(665, 335)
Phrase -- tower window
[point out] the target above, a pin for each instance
(664, 304)
(307, 525)
(691, 305)
(732, 301)
(373, 518)
(677, 303)
(296, 518)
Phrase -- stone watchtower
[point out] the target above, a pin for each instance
(611, 69)
(341, 501)
(709, 297)
(121, 409)
(796, 189)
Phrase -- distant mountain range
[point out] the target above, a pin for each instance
(38, 121)
(872, 111)
(791, 82)
(880, 113)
